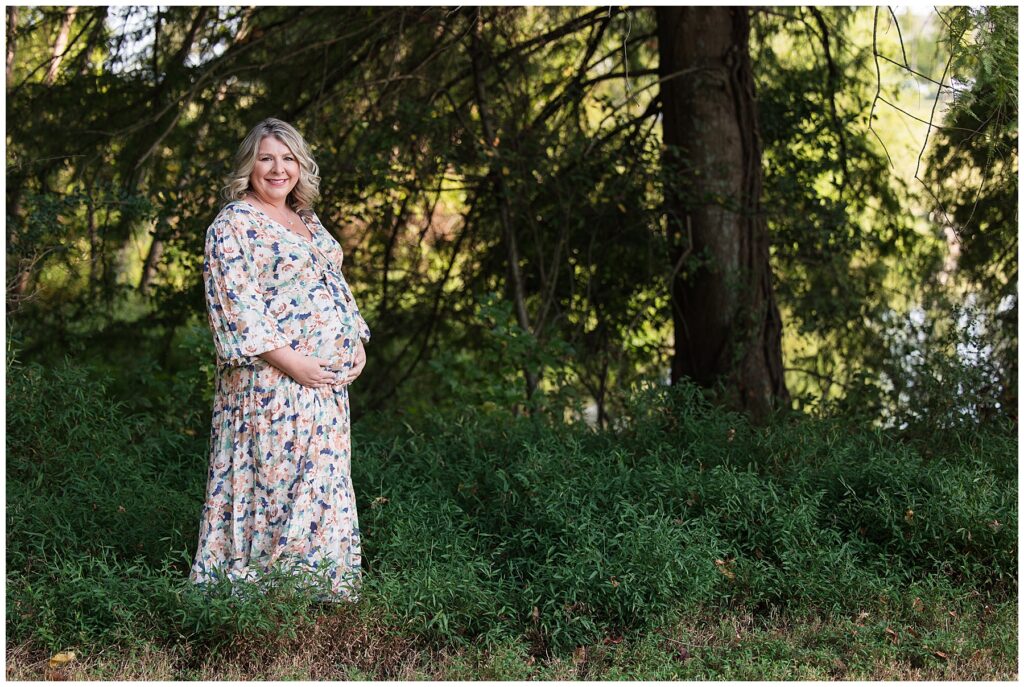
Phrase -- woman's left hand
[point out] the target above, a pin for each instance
(358, 363)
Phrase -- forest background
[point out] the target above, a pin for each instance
(530, 201)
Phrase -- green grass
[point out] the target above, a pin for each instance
(518, 548)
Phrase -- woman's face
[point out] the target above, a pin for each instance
(276, 171)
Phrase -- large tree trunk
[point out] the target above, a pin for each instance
(727, 324)
(12, 32)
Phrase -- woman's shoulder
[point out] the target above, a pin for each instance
(235, 210)
(233, 215)
(310, 216)
(310, 213)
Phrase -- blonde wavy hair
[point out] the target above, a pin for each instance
(307, 189)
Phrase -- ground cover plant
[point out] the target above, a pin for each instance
(519, 546)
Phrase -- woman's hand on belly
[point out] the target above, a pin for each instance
(304, 369)
(358, 363)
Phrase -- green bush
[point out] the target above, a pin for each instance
(571, 532)
(479, 525)
(102, 519)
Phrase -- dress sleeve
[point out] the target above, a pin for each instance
(242, 326)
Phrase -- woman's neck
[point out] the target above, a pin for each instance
(280, 207)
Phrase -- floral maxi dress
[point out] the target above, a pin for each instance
(279, 488)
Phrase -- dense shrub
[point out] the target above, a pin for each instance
(573, 532)
(479, 525)
(102, 519)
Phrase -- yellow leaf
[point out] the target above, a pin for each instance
(62, 658)
(723, 569)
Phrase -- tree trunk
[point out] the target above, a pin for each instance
(60, 45)
(726, 322)
(12, 32)
(156, 251)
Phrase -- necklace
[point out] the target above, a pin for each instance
(288, 221)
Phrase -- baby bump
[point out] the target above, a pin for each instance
(318, 327)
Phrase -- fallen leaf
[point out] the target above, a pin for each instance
(917, 604)
(536, 614)
(62, 658)
(941, 655)
(909, 515)
(579, 654)
(892, 634)
(912, 631)
(723, 569)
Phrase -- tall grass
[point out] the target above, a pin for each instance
(571, 533)
(479, 526)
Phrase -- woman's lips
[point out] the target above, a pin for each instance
(277, 182)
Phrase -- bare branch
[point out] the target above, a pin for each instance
(878, 87)
(906, 62)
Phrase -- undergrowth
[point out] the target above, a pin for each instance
(479, 527)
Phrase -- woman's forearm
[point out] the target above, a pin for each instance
(285, 358)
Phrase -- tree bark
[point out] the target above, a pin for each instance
(12, 33)
(60, 46)
(726, 321)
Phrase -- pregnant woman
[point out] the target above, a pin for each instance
(289, 341)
